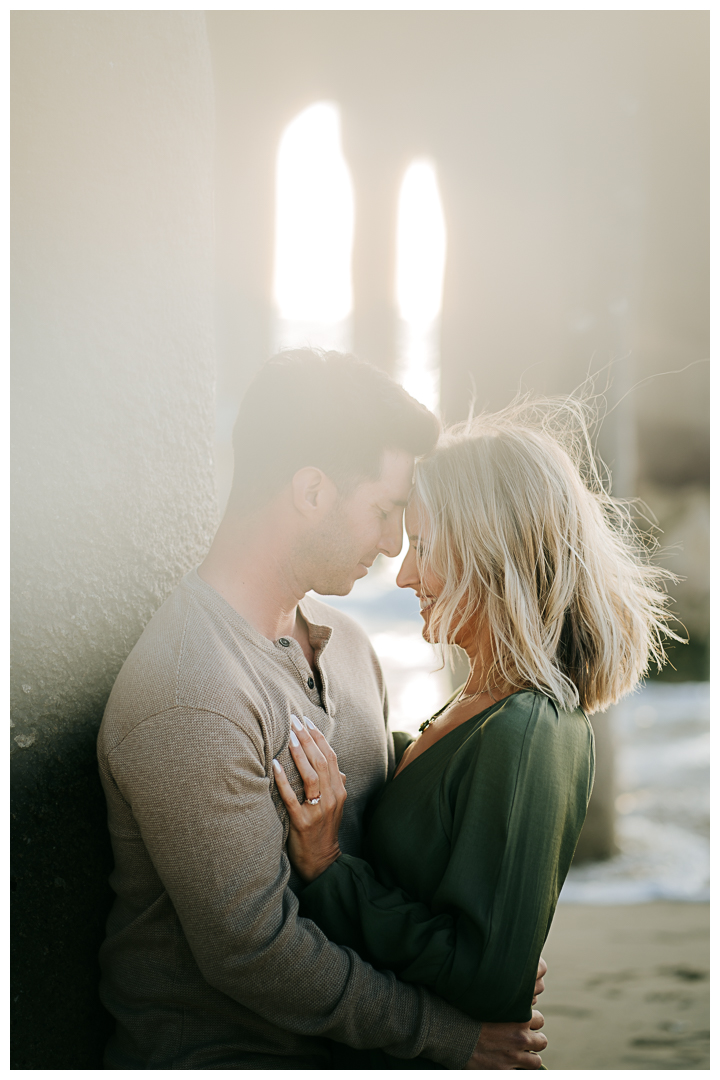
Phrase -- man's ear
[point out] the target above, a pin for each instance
(313, 492)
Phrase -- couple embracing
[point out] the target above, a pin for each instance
(297, 886)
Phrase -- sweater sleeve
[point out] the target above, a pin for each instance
(515, 814)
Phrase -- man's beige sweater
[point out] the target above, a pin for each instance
(206, 962)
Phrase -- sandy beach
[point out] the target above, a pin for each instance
(628, 987)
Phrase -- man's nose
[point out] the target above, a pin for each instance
(392, 538)
(407, 575)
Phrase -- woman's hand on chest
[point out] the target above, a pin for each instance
(313, 838)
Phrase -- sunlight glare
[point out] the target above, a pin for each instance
(314, 220)
(421, 248)
(421, 244)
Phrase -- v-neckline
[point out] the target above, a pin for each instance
(495, 705)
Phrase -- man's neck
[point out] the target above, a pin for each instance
(253, 572)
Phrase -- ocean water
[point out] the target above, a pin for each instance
(662, 746)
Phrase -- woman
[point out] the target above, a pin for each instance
(519, 557)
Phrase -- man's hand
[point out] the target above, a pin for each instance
(540, 981)
(510, 1046)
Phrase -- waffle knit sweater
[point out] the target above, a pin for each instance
(207, 964)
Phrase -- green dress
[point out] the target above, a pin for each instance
(467, 850)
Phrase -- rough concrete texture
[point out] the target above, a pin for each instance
(113, 496)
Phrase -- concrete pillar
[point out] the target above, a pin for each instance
(597, 839)
(113, 496)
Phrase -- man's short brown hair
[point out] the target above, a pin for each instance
(325, 409)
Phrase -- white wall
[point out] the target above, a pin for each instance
(113, 489)
(113, 366)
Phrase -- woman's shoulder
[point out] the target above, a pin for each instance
(525, 734)
(532, 712)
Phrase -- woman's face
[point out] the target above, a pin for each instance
(409, 576)
(427, 592)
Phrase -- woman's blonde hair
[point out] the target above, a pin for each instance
(525, 538)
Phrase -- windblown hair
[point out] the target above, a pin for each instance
(325, 409)
(521, 530)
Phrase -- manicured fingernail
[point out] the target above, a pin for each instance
(276, 765)
(309, 722)
(294, 741)
(295, 722)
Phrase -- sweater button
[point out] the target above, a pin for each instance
(284, 642)
(311, 683)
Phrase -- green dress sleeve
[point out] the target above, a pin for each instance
(512, 802)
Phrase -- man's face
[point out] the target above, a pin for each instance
(364, 524)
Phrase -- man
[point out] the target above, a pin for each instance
(207, 964)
